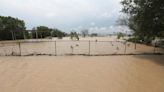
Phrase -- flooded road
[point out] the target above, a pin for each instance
(82, 74)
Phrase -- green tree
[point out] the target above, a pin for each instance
(120, 35)
(74, 35)
(58, 33)
(41, 32)
(94, 35)
(146, 18)
(12, 28)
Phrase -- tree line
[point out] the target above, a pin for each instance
(43, 32)
(14, 28)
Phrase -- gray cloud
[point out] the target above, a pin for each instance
(63, 14)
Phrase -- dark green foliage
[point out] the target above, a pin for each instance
(12, 28)
(43, 32)
(58, 33)
(146, 17)
(94, 35)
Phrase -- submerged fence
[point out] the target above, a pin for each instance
(29, 48)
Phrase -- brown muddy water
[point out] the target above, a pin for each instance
(82, 74)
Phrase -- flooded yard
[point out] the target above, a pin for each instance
(65, 46)
(138, 73)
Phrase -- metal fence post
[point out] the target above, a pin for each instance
(89, 47)
(20, 52)
(55, 49)
(125, 48)
(154, 47)
(135, 44)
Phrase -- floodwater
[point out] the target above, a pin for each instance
(82, 73)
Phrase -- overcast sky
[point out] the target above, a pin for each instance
(95, 15)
